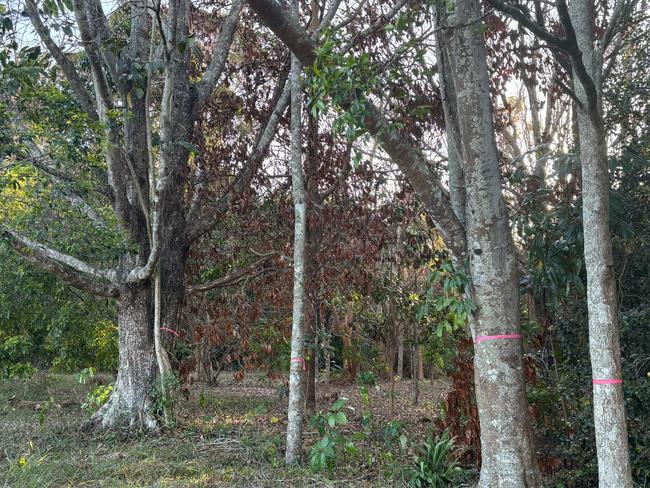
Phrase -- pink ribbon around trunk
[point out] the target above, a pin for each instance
(169, 330)
(607, 382)
(300, 361)
(495, 337)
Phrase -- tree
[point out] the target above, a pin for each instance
(498, 364)
(297, 363)
(147, 181)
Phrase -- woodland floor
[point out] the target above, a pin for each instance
(231, 434)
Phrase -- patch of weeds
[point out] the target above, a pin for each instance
(324, 453)
(435, 465)
(96, 398)
(272, 451)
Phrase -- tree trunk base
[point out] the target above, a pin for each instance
(131, 405)
(124, 412)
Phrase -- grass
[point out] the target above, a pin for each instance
(226, 436)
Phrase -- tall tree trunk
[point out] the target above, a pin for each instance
(296, 374)
(604, 347)
(508, 455)
(312, 249)
(130, 404)
(604, 334)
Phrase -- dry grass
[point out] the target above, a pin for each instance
(229, 435)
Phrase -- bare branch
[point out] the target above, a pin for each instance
(613, 26)
(70, 72)
(231, 279)
(328, 17)
(43, 253)
(518, 14)
(375, 27)
(213, 72)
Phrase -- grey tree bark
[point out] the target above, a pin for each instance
(586, 53)
(130, 404)
(602, 301)
(509, 459)
(296, 369)
(508, 455)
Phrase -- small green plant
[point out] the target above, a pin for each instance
(366, 380)
(322, 455)
(394, 433)
(97, 397)
(202, 401)
(435, 465)
(162, 396)
(43, 409)
(86, 375)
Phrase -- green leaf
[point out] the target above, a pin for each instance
(340, 418)
(338, 404)
(331, 420)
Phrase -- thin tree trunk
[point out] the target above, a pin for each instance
(604, 334)
(400, 350)
(604, 331)
(312, 363)
(296, 374)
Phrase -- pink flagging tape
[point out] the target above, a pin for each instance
(300, 361)
(496, 337)
(169, 330)
(607, 382)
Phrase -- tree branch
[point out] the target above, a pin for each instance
(46, 254)
(70, 277)
(518, 14)
(230, 279)
(70, 72)
(577, 62)
(206, 85)
(199, 225)
(429, 189)
(379, 24)
(43, 162)
(612, 26)
(328, 17)
(102, 90)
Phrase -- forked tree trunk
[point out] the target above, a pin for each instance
(508, 456)
(130, 404)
